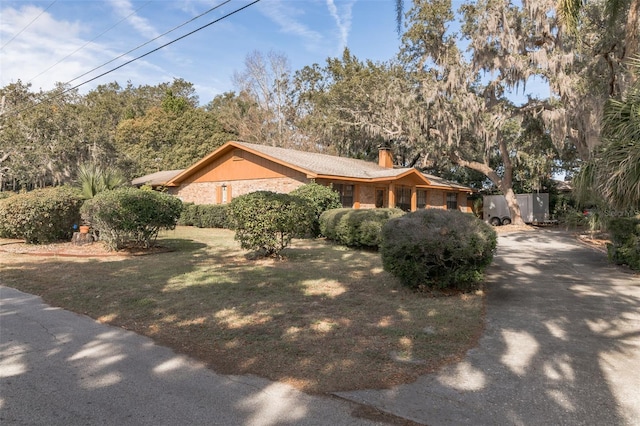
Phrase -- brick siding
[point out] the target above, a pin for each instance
(207, 192)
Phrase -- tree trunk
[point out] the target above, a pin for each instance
(504, 183)
(632, 31)
(514, 207)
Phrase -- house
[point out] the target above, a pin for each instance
(238, 168)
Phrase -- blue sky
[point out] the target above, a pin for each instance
(43, 42)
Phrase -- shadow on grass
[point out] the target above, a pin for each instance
(325, 318)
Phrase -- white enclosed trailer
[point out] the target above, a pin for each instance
(534, 208)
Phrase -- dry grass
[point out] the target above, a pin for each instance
(326, 318)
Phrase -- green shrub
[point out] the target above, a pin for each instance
(437, 249)
(625, 241)
(130, 215)
(356, 228)
(321, 197)
(41, 216)
(214, 216)
(206, 216)
(267, 221)
(189, 215)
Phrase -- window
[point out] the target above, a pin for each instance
(452, 201)
(346, 194)
(379, 197)
(403, 198)
(422, 198)
(224, 194)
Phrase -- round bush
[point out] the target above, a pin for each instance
(268, 221)
(42, 215)
(130, 215)
(625, 241)
(322, 198)
(437, 249)
(355, 227)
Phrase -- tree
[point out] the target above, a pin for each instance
(614, 170)
(352, 107)
(440, 104)
(266, 81)
(168, 139)
(569, 12)
(41, 138)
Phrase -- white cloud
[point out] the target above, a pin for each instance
(286, 16)
(44, 43)
(342, 16)
(125, 9)
(31, 56)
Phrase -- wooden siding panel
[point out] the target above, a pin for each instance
(242, 166)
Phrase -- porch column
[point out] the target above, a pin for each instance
(414, 199)
(392, 195)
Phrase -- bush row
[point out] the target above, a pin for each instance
(356, 228)
(206, 216)
(625, 241)
(42, 215)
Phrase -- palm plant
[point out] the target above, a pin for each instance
(93, 178)
(618, 171)
(614, 171)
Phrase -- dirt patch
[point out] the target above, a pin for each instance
(504, 229)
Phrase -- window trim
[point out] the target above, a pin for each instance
(453, 203)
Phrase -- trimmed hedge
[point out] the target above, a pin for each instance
(189, 214)
(268, 221)
(321, 197)
(356, 227)
(41, 216)
(437, 249)
(130, 215)
(625, 241)
(206, 216)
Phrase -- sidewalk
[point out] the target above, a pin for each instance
(562, 345)
(60, 368)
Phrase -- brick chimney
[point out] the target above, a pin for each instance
(385, 157)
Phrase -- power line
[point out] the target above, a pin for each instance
(152, 40)
(134, 59)
(90, 41)
(29, 24)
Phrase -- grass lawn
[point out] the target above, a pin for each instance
(326, 318)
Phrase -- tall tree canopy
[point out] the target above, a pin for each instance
(46, 136)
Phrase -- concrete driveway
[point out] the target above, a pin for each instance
(562, 345)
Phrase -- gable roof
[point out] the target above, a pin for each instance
(438, 181)
(157, 178)
(327, 165)
(316, 165)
